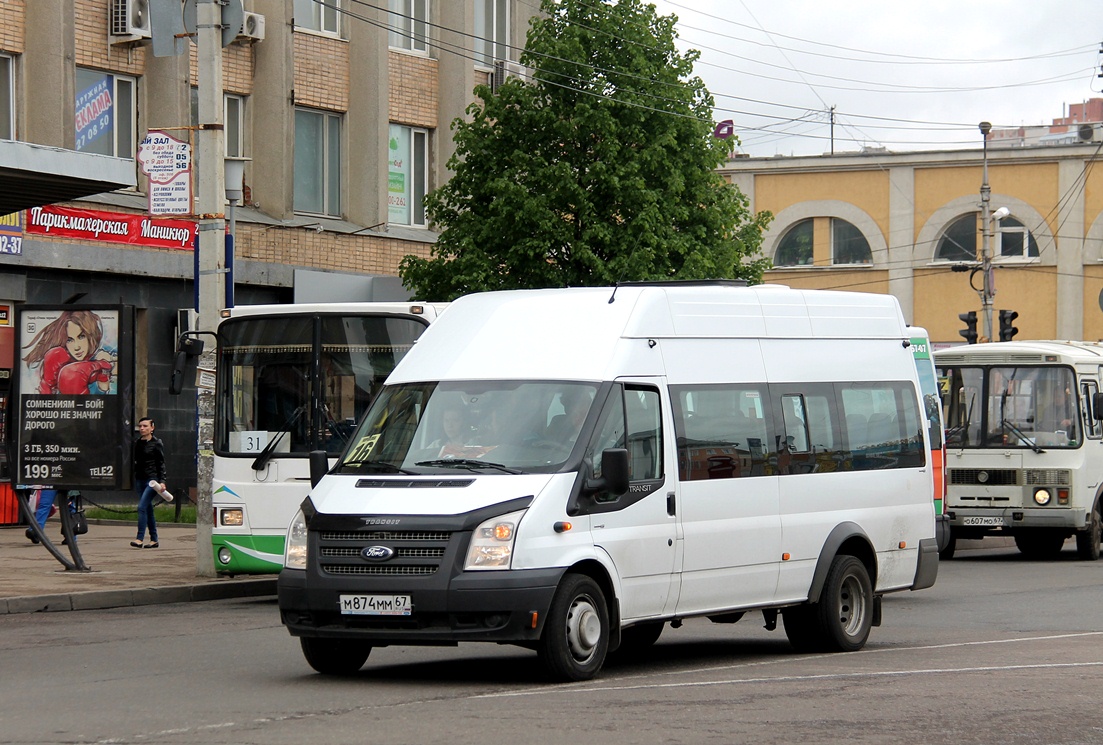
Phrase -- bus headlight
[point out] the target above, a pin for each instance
(492, 543)
(294, 556)
(1042, 497)
(233, 517)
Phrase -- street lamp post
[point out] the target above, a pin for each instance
(235, 177)
(986, 240)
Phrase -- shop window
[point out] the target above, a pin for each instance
(848, 245)
(491, 31)
(408, 27)
(7, 98)
(407, 175)
(105, 113)
(795, 247)
(316, 16)
(317, 162)
(1010, 240)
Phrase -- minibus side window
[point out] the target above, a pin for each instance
(721, 431)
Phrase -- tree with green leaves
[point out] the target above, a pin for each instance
(598, 166)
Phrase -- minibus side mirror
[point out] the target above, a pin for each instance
(614, 473)
(1097, 406)
(319, 466)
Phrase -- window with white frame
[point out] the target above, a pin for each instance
(1011, 240)
(316, 16)
(235, 126)
(491, 31)
(7, 97)
(407, 175)
(408, 25)
(317, 162)
(106, 113)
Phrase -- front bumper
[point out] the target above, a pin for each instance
(494, 606)
(1010, 518)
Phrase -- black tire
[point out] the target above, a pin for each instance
(1040, 544)
(576, 633)
(636, 640)
(1088, 541)
(948, 550)
(841, 620)
(335, 656)
(801, 629)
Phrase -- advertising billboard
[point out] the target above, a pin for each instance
(75, 375)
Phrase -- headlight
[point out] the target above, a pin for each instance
(294, 556)
(234, 517)
(492, 543)
(1042, 497)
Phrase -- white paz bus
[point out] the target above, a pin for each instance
(292, 379)
(571, 470)
(1024, 443)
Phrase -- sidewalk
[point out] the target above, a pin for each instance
(31, 579)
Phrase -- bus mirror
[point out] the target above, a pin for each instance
(614, 473)
(176, 383)
(1097, 406)
(319, 466)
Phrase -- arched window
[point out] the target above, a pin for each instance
(848, 245)
(959, 242)
(795, 247)
(1010, 240)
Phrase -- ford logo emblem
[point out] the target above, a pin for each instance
(377, 553)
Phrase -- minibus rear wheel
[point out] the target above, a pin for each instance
(335, 656)
(576, 632)
(841, 620)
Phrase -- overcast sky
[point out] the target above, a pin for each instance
(903, 74)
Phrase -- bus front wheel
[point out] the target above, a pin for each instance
(1088, 540)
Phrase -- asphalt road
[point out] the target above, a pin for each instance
(1000, 650)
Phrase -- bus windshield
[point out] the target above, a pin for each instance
(294, 383)
(1011, 407)
(482, 426)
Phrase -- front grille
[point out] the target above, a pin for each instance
(401, 553)
(387, 535)
(416, 553)
(379, 570)
(990, 477)
(1048, 477)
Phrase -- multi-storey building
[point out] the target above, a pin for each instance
(909, 224)
(342, 107)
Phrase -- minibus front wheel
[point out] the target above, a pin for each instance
(576, 633)
(335, 656)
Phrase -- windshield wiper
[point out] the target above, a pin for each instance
(374, 466)
(469, 463)
(1022, 436)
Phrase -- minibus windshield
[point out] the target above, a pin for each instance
(504, 426)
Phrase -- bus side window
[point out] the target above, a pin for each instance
(1092, 426)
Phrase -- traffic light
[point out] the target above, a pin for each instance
(1007, 331)
(970, 330)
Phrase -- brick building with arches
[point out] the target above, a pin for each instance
(909, 224)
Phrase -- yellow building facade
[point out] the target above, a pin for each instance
(909, 224)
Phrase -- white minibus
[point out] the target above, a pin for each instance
(572, 470)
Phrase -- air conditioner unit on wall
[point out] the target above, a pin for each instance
(129, 20)
(252, 27)
(505, 68)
